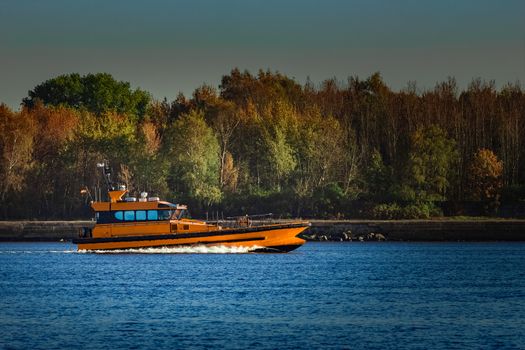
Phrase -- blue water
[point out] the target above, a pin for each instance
(323, 295)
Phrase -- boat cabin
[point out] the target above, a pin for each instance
(120, 209)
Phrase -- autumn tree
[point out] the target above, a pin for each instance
(159, 114)
(485, 178)
(243, 87)
(229, 174)
(55, 190)
(16, 146)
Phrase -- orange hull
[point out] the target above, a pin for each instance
(271, 238)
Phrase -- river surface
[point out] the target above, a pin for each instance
(323, 295)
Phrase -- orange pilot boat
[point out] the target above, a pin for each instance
(125, 222)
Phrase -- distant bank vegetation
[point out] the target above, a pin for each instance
(264, 143)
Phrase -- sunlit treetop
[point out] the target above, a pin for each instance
(97, 93)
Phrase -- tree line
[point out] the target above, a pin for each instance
(265, 143)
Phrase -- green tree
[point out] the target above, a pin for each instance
(98, 93)
(277, 124)
(109, 137)
(149, 167)
(192, 151)
(431, 161)
(320, 151)
(281, 155)
(377, 178)
(110, 134)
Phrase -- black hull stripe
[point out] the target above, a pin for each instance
(277, 249)
(176, 236)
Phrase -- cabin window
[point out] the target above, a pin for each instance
(140, 215)
(164, 214)
(105, 217)
(119, 215)
(129, 215)
(153, 215)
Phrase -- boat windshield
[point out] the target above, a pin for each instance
(180, 214)
(165, 214)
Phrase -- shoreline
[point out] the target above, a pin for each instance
(436, 230)
(439, 230)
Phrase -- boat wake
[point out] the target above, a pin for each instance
(69, 251)
(197, 249)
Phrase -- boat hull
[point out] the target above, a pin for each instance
(270, 238)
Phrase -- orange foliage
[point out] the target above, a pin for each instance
(230, 174)
(151, 138)
(55, 126)
(16, 147)
(485, 176)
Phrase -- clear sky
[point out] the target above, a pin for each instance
(169, 46)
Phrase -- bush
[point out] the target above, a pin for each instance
(386, 211)
(424, 210)
(414, 211)
(329, 201)
(390, 211)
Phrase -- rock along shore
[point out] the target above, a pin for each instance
(321, 230)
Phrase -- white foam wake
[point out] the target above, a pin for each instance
(196, 249)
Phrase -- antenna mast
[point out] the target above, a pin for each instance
(106, 171)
